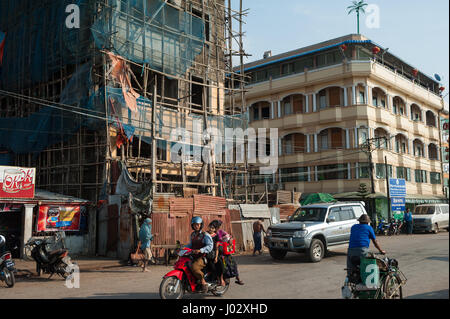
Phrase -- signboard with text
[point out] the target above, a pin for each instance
(397, 187)
(17, 182)
(398, 204)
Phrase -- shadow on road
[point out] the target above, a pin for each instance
(440, 258)
(291, 258)
(439, 294)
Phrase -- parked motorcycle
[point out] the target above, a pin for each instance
(181, 280)
(383, 227)
(49, 260)
(7, 269)
(394, 227)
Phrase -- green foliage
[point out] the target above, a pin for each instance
(358, 7)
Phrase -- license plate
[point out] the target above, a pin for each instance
(279, 240)
(10, 264)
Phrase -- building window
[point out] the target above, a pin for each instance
(421, 176)
(294, 174)
(375, 100)
(364, 171)
(323, 99)
(404, 173)
(381, 171)
(362, 97)
(331, 172)
(265, 112)
(435, 178)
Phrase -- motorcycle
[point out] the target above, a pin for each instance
(394, 228)
(48, 260)
(181, 280)
(391, 280)
(7, 269)
(383, 227)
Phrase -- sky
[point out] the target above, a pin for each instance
(417, 31)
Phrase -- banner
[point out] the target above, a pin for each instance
(54, 218)
(17, 182)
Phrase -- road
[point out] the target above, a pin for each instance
(422, 257)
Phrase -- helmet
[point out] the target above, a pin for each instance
(2, 240)
(197, 220)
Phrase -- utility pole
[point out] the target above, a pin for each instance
(387, 189)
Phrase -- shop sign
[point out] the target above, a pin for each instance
(17, 182)
(56, 217)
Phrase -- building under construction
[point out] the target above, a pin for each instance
(90, 88)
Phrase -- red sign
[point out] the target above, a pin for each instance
(17, 182)
(54, 218)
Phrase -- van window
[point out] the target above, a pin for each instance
(425, 210)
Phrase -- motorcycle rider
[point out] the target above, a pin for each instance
(360, 236)
(201, 244)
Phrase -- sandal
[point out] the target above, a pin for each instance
(239, 282)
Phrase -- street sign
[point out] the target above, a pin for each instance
(397, 187)
(398, 204)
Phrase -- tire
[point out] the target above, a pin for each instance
(389, 285)
(38, 269)
(220, 291)
(9, 277)
(436, 228)
(277, 254)
(168, 284)
(27, 253)
(316, 251)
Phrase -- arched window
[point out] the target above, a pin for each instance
(293, 104)
(331, 138)
(418, 148)
(416, 113)
(260, 111)
(399, 106)
(431, 119)
(382, 138)
(330, 97)
(401, 144)
(294, 143)
(379, 98)
(433, 152)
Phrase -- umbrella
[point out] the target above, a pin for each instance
(317, 198)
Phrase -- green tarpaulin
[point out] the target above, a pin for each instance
(317, 198)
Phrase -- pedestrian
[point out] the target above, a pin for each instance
(408, 219)
(230, 268)
(258, 228)
(145, 237)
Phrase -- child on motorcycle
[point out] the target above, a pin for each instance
(201, 243)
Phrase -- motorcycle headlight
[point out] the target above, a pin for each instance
(300, 233)
(269, 232)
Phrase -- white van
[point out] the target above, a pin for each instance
(430, 217)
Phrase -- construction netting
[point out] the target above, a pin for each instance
(150, 32)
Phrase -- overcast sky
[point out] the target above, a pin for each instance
(417, 31)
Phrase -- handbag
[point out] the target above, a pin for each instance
(138, 255)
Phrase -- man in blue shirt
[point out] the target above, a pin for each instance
(145, 237)
(407, 218)
(360, 236)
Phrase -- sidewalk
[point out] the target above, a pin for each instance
(28, 267)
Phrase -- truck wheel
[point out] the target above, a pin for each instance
(277, 254)
(316, 251)
(436, 228)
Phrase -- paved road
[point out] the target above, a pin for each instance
(422, 257)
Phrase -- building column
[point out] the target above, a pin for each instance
(316, 177)
(308, 143)
(349, 171)
(410, 147)
(316, 146)
(272, 114)
(425, 151)
(357, 170)
(309, 173)
(353, 95)
(356, 137)
(366, 88)
(279, 109)
(307, 103)
(27, 225)
(347, 139)
(388, 102)
(345, 97)
(279, 175)
(280, 147)
(314, 102)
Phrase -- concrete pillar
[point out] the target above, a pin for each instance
(425, 151)
(316, 177)
(316, 146)
(27, 224)
(314, 102)
(349, 171)
(388, 102)
(280, 147)
(345, 97)
(309, 173)
(347, 139)
(307, 103)
(308, 143)
(272, 113)
(279, 108)
(353, 95)
(357, 170)
(356, 137)
(366, 88)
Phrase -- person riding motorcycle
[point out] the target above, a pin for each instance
(201, 244)
(360, 236)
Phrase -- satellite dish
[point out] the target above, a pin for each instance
(437, 77)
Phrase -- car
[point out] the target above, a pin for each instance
(430, 218)
(312, 229)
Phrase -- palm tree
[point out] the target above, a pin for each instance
(358, 6)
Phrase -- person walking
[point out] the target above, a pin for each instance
(408, 219)
(145, 237)
(258, 228)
